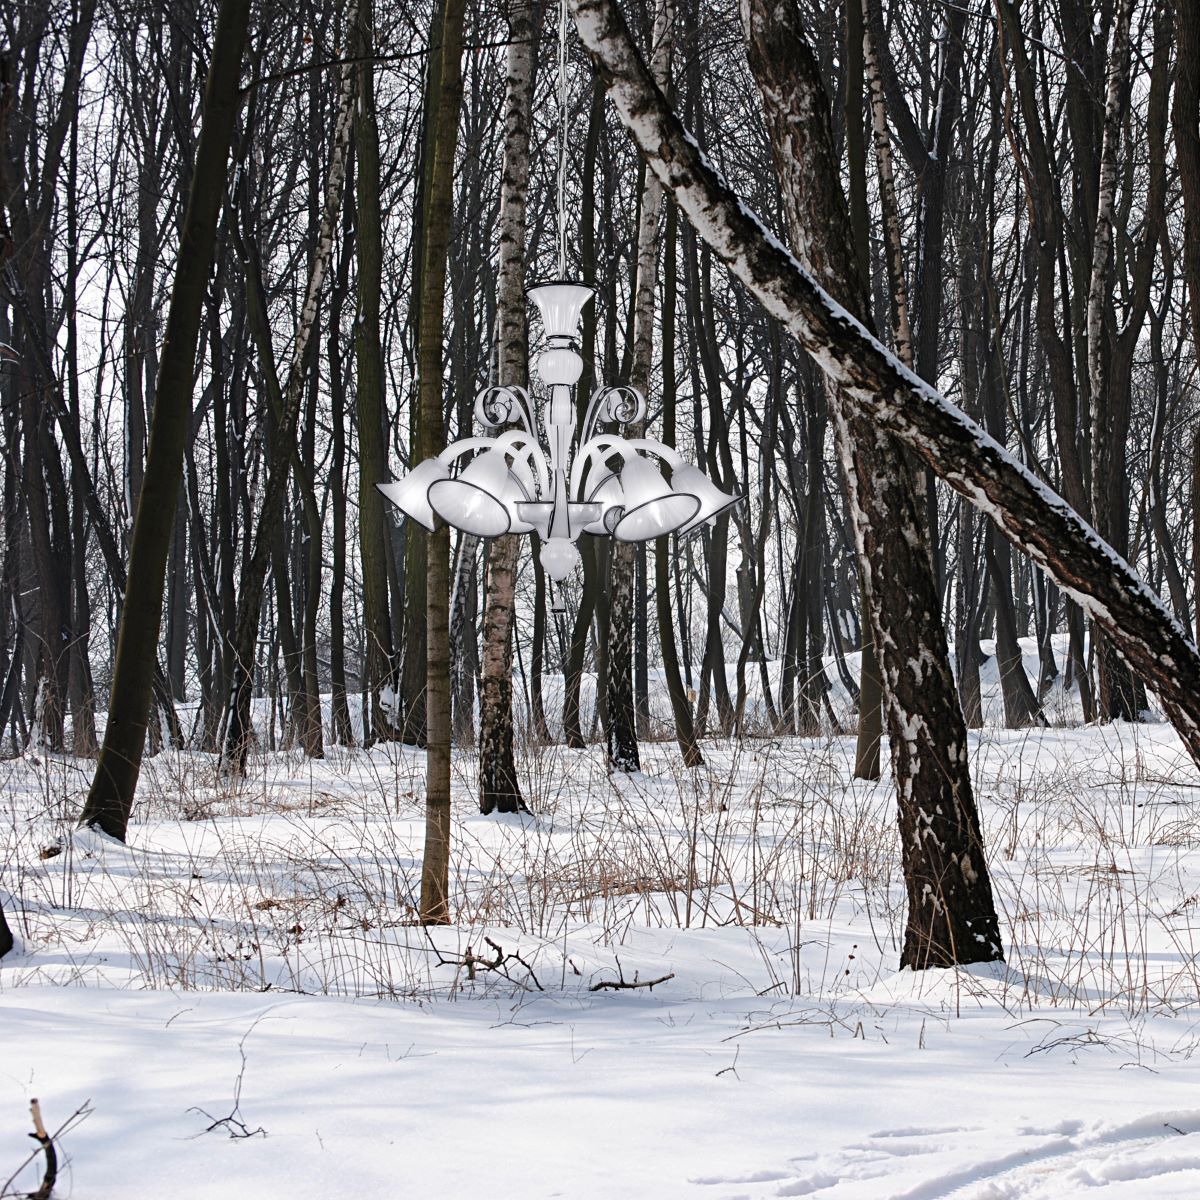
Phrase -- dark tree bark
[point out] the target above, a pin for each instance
(581, 627)
(681, 706)
(870, 695)
(1185, 129)
(379, 675)
(111, 796)
(435, 867)
(342, 729)
(1044, 199)
(239, 729)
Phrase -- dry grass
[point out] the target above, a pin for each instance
(304, 876)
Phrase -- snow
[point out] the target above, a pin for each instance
(786, 1056)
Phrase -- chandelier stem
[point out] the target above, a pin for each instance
(562, 139)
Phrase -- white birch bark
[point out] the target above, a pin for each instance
(499, 789)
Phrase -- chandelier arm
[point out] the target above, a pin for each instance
(616, 402)
(501, 404)
(660, 450)
(589, 419)
(531, 452)
(512, 442)
(604, 443)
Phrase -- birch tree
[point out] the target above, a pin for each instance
(951, 913)
(499, 789)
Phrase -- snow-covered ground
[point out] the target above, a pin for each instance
(252, 954)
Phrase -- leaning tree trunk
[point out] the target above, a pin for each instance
(951, 913)
(1032, 517)
(435, 867)
(111, 796)
(499, 790)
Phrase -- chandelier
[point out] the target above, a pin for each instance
(514, 482)
(604, 485)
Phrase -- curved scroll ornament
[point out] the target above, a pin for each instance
(618, 404)
(500, 405)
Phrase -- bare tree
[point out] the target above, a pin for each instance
(111, 796)
(447, 100)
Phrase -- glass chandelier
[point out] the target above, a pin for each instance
(606, 485)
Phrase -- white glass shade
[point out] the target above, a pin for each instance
(474, 502)
(559, 558)
(713, 501)
(561, 306)
(652, 506)
(608, 494)
(411, 494)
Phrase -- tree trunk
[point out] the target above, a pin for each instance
(111, 796)
(1117, 694)
(870, 688)
(499, 790)
(951, 914)
(6, 937)
(379, 681)
(1185, 128)
(239, 733)
(435, 867)
(681, 707)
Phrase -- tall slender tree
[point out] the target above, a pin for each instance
(110, 799)
(447, 43)
(499, 790)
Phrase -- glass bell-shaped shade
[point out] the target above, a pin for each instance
(411, 494)
(608, 494)
(652, 506)
(474, 502)
(713, 501)
(561, 306)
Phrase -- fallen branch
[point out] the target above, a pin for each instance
(621, 984)
(473, 963)
(234, 1124)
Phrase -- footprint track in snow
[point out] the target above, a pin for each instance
(1045, 1163)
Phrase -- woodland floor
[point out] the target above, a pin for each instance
(251, 954)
